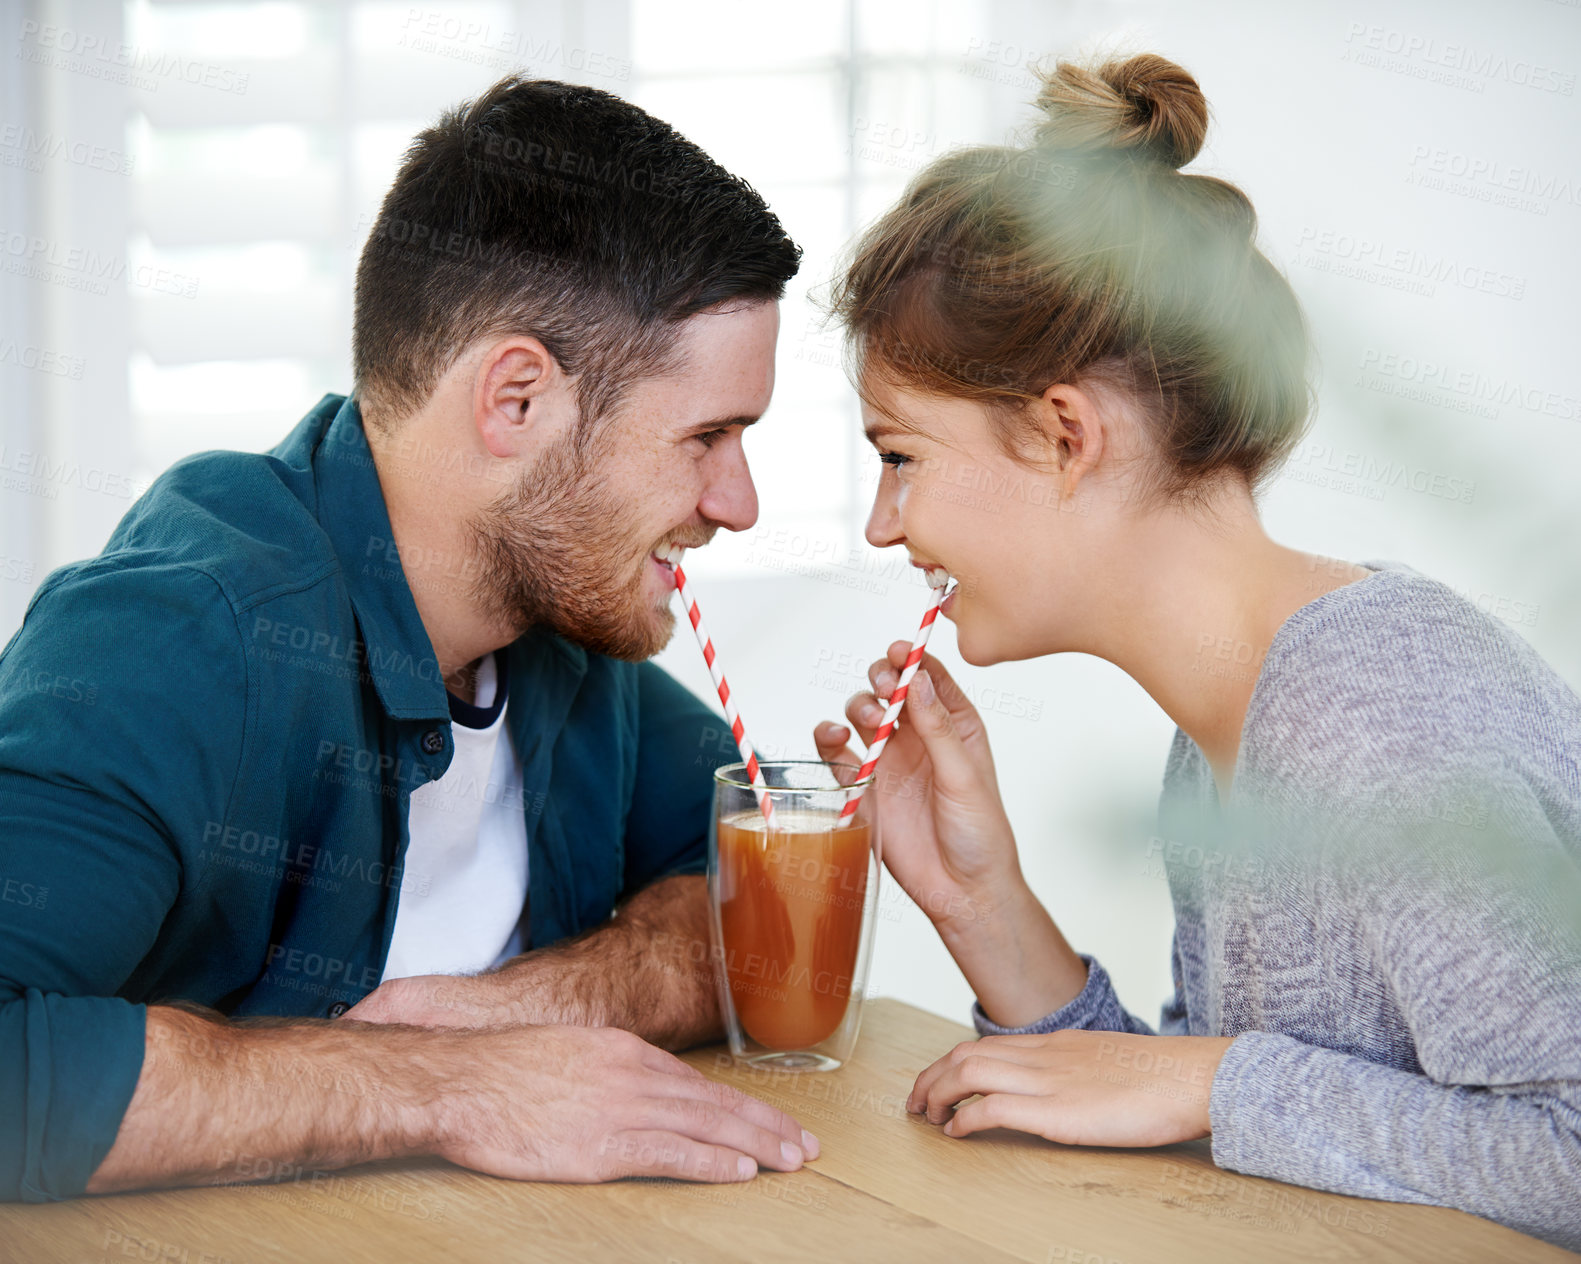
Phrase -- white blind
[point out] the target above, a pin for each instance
(261, 163)
(827, 111)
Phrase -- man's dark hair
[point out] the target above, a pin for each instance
(563, 212)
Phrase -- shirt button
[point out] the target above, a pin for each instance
(433, 742)
(338, 1008)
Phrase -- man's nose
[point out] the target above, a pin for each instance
(883, 524)
(730, 499)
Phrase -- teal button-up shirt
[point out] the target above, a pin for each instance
(209, 735)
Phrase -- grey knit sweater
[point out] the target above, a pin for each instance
(1386, 912)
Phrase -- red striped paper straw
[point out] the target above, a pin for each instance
(896, 699)
(737, 729)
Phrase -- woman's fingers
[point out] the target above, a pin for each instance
(865, 712)
(948, 689)
(999, 1110)
(1026, 1051)
(956, 773)
(973, 1068)
(981, 1074)
(1083, 1087)
(930, 1074)
(831, 740)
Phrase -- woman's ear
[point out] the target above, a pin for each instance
(1076, 430)
(514, 377)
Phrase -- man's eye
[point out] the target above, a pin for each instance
(893, 458)
(711, 437)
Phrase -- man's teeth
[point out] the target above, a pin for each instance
(670, 553)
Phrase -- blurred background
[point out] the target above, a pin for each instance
(186, 187)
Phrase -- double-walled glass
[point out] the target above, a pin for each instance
(794, 904)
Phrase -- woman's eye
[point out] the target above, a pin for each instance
(893, 458)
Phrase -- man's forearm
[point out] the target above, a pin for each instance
(219, 1101)
(646, 970)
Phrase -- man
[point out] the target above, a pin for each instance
(370, 710)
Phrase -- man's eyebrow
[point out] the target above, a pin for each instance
(719, 423)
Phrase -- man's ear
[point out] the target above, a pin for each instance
(1076, 430)
(513, 379)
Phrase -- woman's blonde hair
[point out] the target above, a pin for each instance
(1086, 256)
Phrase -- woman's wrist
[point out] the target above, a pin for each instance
(1013, 955)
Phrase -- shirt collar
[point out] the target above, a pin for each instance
(542, 666)
(351, 509)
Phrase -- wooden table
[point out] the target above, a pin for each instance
(888, 1186)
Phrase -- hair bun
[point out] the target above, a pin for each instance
(1145, 104)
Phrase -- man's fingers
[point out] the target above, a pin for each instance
(713, 1124)
(658, 1153)
(688, 1082)
(755, 1111)
(657, 1059)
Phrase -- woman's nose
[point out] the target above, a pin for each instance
(883, 524)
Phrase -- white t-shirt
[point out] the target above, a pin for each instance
(464, 881)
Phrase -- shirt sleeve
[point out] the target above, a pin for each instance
(1478, 939)
(680, 743)
(121, 714)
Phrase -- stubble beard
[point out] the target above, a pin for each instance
(559, 550)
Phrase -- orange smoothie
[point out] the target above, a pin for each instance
(791, 916)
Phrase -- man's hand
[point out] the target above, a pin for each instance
(217, 1101)
(1094, 1088)
(595, 1104)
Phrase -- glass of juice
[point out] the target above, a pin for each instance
(793, 906)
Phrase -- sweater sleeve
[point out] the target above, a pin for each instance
(1095, 1008)
(1478, 939)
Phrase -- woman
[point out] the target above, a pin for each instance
(1373, 835)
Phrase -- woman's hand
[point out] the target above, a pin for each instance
(947, 841)
(946, 837)
(1095, 1088)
